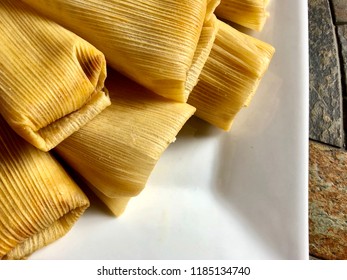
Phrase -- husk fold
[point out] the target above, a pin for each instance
(249, 13)
(230, 76)
(51, 81)
(207, 37)
(39, 202)
(117, 151)
(154, 42)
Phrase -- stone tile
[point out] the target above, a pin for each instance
(328, 202)
(340, 11)
(325, 78)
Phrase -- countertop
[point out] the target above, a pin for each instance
(328, 123)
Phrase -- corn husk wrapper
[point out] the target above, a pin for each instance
(39, 202)
(117, 151)
(249, 13)
(211, 8)
(116, 205)
(230, 76)
(51, 81)
(207, 37)
(154, 42)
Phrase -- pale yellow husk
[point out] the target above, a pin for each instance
(211, 8)
(39, 202)
(51, 81)
(116, 205)
(154, 42)
(230, 76)
(117, 151)
(207, 37)
(249, 13)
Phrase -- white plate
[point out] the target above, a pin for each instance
(216, 195)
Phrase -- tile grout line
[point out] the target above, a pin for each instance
(342, 74)
(326, 144)
(332, 11)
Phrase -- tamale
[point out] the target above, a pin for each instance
(117, 151)
(39, 202)
(230, 76)
(116, 205)
(153, 42)
(51, 80)
(249, 13)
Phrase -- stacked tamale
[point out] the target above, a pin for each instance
(51, 80)
(116, 152)
(39, 202)
(155, 43)
(167, 60)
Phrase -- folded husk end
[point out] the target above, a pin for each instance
(230, 77)
(251, 14)
(45, 237)
(50, 136)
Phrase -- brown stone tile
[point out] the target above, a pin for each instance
(340, 11)
(328, 202)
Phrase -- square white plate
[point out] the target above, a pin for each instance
(217, 195)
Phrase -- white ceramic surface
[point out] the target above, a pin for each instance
(217, 195)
